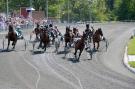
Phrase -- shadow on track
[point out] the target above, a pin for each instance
(5, 50)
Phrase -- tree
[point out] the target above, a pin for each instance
(79, 10)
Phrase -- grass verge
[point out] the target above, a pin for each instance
(132, 64)
(131, 47)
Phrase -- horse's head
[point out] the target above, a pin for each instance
(67, 29)
(100, 31)
(84, 36)
(38, 25)
(74, 30)
(87, 26)
(11, 28)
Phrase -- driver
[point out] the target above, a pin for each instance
(18, 30)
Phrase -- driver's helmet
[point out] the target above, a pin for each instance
(87, 25)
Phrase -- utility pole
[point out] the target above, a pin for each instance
(59, 9)
(30, 13)
(59, 16)
(7, 12)
(47, 9)
(68, 12)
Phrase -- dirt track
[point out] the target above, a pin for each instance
(21, 69)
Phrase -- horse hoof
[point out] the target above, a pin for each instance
(90, 59)
(44, 51)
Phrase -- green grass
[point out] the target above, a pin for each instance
(132, 64)
(131, 47)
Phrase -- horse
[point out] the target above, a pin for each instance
(36, 32)
(11, 36)
(68, 37)
(97, 38)
(44, 38)
(79, 45)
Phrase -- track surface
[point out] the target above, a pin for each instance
(21, 69)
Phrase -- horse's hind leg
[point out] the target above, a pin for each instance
(98, 45)
(90, 39)
(8, 44)
(94, 45)
(14, 43)
(75, 53)
(65, 44)
(80, 55)
(53, 40)
(40, 44)
(44, 47)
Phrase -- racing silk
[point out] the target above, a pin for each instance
(18, 32)
(51, 32)
(54, 32)
(88, 32)
(77, 34)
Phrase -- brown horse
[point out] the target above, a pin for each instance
(97, 37)
(79, 45)
(11, 36)
(68, 37)
(44, 38)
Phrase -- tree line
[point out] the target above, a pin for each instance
(79, 10)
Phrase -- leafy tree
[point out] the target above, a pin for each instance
(79, 10)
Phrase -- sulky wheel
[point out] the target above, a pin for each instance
(33, 45)
(3, 44)
(25, 44)
(107, 44)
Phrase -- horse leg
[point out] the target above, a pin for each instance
(8, 44)
(90, 39)
(56, 47)
(40, 44)
(94, 45)
(14, 43)
(53, 40)
(65, 44)
(97, 45)
(44, 47)
(80, 54)
(86, 46)
(75, 54)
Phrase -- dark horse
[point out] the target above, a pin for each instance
(44, 38)
(79, 45)
(97, 38)
(68, 37)
(11, 36)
